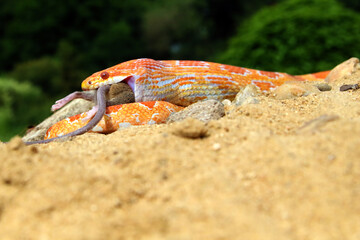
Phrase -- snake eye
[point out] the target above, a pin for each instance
(104, 75)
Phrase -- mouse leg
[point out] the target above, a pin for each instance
(87, 95)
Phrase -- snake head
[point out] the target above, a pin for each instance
(124, 72)
(106, 77)
(136, 73)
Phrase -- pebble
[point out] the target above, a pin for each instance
(347, 87)
(190, 128)
(247, 95)
(294, 89)
(216, 146)
(323, 87)
(226, 102)
(203, 111)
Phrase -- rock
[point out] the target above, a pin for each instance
(203, 111)
(247, 95)
(119, 93)
(74, 107)
(190, 128)
(216, 146)
(226, 102)
(322, 86)
(342, 70)
(347, 87)
(294, 89)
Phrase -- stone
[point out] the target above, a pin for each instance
(347, 87)
(342, 70)
(72, 108)
(190, 128)
(323, 87)
(247, 95)
(294, 89)
(119, 93)
(204, 111)
(226, 102)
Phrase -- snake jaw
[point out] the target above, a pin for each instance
(92, 83)
(95, 82)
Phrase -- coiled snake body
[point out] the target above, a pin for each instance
(163, 87)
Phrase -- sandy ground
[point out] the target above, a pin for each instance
(279, 169)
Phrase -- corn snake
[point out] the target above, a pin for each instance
(163, 87)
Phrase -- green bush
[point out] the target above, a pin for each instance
(56, 76)
(296, 36)
(19, 107)
(112, 45)
(43, 72)
(71, 73)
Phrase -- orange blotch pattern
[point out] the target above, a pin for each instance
(117, 116)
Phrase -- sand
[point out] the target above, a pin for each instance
(278, 169)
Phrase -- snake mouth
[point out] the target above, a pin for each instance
(94, 83)
(110, 81)
(129, 80)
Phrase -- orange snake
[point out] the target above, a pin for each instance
(163, 87)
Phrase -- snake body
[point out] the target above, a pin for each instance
(163, 87)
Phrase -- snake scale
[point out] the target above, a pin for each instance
(163, 87)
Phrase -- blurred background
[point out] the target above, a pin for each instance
(49, 47)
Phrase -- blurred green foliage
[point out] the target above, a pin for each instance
(19, 105)
(171, 26)
(105, 32)
(49, 47)
(69, 68)
(296, 36)
(43, 72)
